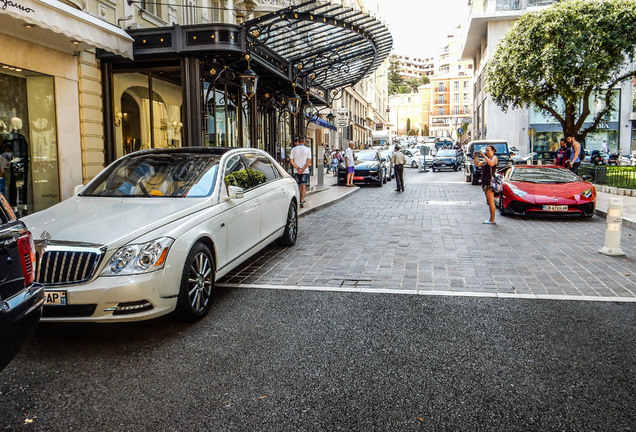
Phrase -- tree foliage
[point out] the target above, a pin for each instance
(559, 58)
(398, 84)
(395, 79)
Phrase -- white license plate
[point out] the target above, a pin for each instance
(57, 297)
(555, 208)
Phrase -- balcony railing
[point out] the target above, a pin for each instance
(479, 7)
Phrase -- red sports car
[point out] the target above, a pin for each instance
(547, 189)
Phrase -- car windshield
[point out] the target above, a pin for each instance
(366, 155)
(173, 175)
(500, 147)
(543, 175)
(446, 153)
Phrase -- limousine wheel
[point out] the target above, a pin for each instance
(291, 227)
(197, 284)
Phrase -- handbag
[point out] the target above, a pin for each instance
(496, 183)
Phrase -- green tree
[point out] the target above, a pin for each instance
(560, 58)
(396, 82)
(411, 84)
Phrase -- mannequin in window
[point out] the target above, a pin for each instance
(16, 185)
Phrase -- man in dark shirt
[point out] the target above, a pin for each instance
(562, 154)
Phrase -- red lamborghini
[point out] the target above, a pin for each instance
(545, 189)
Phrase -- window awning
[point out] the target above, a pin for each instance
(329, 45)
(56, 25)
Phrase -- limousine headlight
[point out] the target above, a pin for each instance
(139, 258)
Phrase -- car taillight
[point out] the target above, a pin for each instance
(26, 249)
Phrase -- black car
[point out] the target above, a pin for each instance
(370, 168)
(472, 172)
(535, 158)
(21, 299)
(446, 159)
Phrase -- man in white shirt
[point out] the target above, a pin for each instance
(350, 163)
(300, 160)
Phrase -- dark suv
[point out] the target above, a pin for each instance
(21, 299)
(472, 172)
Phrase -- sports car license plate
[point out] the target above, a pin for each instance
(358, 178)
(555, 208)
(55, 297)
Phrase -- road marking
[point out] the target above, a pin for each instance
(432, 292)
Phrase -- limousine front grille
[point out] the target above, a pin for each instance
(60, 264)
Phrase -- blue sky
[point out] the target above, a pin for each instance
(420, 27)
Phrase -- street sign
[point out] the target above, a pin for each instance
(343, 121)
(460, 131)
(343, 110)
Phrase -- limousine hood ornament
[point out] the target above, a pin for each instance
(45, 236)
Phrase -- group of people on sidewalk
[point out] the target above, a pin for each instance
(569, 154)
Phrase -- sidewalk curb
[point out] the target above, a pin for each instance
(626, 222)
(308, 210)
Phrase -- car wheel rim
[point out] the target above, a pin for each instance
(200, 282)
(292, 223)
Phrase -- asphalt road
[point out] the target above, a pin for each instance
(308, 359)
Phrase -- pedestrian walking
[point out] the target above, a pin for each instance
(350, 163)
(575, 157)
(300, 160)
(489, 168)
(335, 161)
(327, 159)
(604, 147)
(562, 156)
(398, 160)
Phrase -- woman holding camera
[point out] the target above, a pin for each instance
(489, 164)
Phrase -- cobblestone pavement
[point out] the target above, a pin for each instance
(430, 240)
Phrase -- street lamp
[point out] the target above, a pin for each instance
(249, 81)
(293, 101)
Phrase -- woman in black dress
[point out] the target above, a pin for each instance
(489, 164)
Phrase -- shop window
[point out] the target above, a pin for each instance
(222, 115)
(148, 110)
(28, 133)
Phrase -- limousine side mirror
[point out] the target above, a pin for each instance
(78, 189)
(235, 192)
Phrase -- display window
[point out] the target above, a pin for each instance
(29, 173)
(147, 107)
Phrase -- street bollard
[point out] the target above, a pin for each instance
(614, 223)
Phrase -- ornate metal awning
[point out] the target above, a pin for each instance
(324, 45)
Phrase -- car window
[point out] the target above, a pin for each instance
(366, 156)
(172, 175)
(260, 168)
(446, 153)
(543, 175)
(236, 173)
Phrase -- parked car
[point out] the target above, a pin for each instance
(446, 159)
(424, 162)
(514, 151)
(370, 168)
(155, 229)
(21, 299)
(411, 157)
(472, 172)
(535, 158)
(387, 154)
(545, 189)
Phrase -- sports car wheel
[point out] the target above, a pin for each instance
(197, 284)
(413, 164)
(501, 205)
(291, 227)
